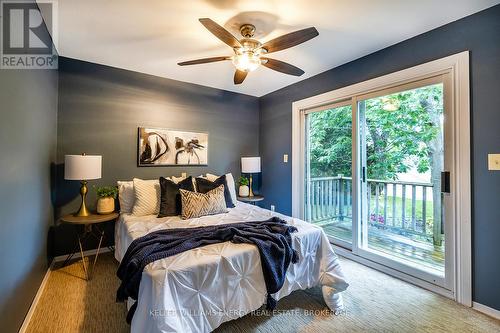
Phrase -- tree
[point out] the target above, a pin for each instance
(330, 141)
(396, 141)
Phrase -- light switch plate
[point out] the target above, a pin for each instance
(493, 161)
(285, 158)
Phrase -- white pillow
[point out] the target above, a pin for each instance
(147, 197)
(126, 196)
(230, 184)
(176, 179)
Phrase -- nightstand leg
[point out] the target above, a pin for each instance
(68, 258)
(83, 259)
(97, 253)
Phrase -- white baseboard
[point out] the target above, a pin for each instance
(38, 295)
(85, 254)
(486, 310)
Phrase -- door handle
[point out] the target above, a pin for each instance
(363, 174)
(445, 182)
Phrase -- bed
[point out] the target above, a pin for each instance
(198, 290)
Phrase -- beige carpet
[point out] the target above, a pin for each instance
(375, 303)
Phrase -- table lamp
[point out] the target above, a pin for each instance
(250, 165)
(83, 168)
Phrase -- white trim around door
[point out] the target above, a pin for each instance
(457, 66)
(486, 310)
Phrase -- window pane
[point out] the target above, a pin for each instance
(328, 201)
(402, 150)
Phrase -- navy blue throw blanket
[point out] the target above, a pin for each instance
(272, 237)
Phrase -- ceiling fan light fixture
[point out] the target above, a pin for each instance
(246, 61)
(250, 53)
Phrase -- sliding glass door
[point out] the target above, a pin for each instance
(328, 183)
(396, 145)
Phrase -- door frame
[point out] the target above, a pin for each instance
(458, 66)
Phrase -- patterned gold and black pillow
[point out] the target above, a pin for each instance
(201, 204)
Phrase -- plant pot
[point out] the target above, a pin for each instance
(244, 191)
(105, 205)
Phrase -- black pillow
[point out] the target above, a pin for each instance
(204, 185)
(170, 199)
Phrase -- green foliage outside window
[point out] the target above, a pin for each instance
(402, 132)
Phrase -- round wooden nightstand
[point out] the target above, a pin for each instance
(90, 228)
(252, 200)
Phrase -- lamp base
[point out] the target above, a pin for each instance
(83, 211)
(251, 191)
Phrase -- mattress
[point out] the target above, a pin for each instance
(197, 290)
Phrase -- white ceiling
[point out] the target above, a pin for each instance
(152, 36)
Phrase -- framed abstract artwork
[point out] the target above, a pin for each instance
(166, 147)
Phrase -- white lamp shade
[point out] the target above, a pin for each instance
(82, 167)
(250, 164)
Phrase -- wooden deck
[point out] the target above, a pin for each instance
(418, 253)
(404, 207)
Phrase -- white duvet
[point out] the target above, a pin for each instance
(198, 290)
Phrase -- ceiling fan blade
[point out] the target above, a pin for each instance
(202, 61)
(282, 67)
(291, 39)
(220, 32)
(239, 76)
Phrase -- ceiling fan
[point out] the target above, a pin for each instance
(248, 52)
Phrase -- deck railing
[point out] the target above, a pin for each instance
(329, 199)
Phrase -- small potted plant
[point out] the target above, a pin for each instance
(106, 199)
(244, 190)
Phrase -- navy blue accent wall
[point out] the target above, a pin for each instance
(478, 33)
(100, 109)
(28, 107)
(28, 111)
